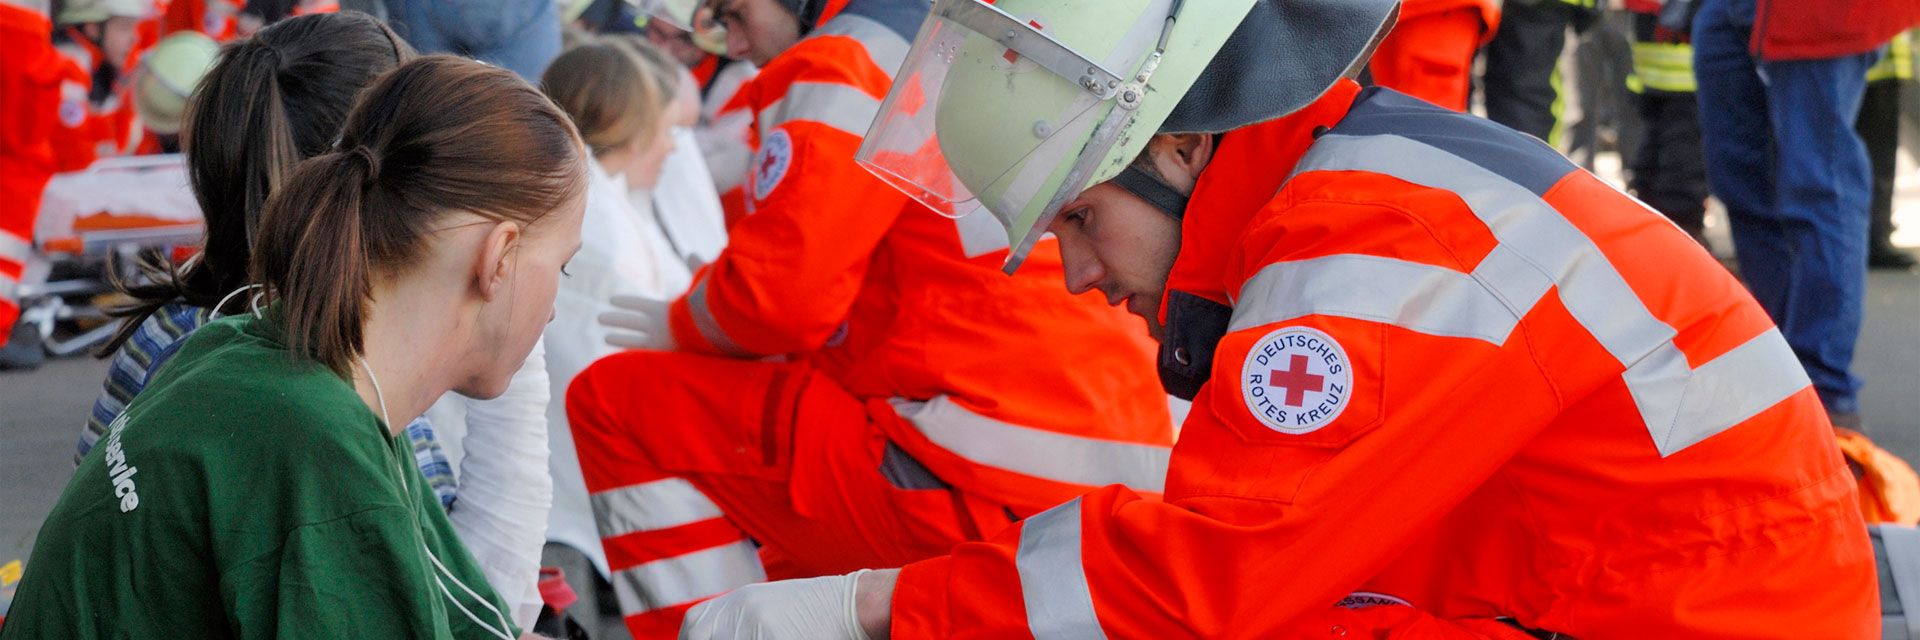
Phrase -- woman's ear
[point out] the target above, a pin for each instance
(495, 266)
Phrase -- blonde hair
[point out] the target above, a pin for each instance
(610, 91)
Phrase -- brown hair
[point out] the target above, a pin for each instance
(438, 135)
(610, 92)
(270, 101)
(664, 69)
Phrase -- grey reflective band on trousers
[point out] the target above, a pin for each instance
(1538, 249)
(1902, 547)
(13, 249)
(650, 506)
(708, 327)
(686, 578)
(1053, 579)
(1047, 455)
(9, 288)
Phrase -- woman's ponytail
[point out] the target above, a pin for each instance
(312, 252)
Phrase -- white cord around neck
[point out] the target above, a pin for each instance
(253, 302)
(386, 419)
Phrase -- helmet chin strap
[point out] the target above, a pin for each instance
(1152, 189)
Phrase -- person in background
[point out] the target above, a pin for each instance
(519, 35)
(720, 132)
(1879, 128)
(270, 102)
(100, 38)
(32, 109)
(261, 486)
(1429, 54)
(925, 398)
(621, 106)
(1668, 171)
(1778, 100)
(602, 16)
(257, 14)
(1522, 78)
(681, 208)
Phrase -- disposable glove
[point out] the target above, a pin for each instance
(638, 323)
(810, 609)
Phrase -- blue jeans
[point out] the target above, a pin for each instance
(522, 36)
(1782, 155)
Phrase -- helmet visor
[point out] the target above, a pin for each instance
(991, 111)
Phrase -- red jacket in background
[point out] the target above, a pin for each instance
(1812, 29)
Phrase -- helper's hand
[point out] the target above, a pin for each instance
(638, 323)
(810, 609)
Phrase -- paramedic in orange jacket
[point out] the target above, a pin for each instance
(102, 39)
(1447, 384)
(30, 78)
(929, 399)
(1429, 54)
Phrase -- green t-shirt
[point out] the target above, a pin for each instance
(249, 495)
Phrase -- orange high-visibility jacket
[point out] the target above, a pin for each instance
(105, 129)
(1013, 389)
(30, 80)
(1489, 10)
(1463, 373)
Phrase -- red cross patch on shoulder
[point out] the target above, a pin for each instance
(770, 163)
(1297, 380)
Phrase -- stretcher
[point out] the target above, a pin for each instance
(93, 227)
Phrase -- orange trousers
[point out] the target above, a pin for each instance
(1430, 56)
(707, 474)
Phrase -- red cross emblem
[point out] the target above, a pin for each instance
(766, 164)
(1296, 381)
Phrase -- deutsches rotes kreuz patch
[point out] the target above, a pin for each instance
(771, 162)
(1364, 599)
(1297, 380)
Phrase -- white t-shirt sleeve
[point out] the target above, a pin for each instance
(505, 492)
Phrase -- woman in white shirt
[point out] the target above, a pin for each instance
(624, 105)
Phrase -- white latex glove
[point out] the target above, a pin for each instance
(810, 609)
(638, 323)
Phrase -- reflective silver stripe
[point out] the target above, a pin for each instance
(1537, 242)
(1734, 387)
(650, 506)
(1424, 298)
(884, 47)
(980, 233)
(1037, 452)
(9, 289)
(1053, 579)
(14, 249)
(836, 105)
(682, 579)
(708, 327)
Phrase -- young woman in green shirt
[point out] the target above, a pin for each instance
(259, 487)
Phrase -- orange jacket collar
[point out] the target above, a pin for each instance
(1248, 167)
